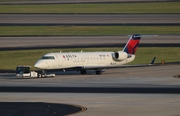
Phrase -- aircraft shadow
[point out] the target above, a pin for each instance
(38, 109)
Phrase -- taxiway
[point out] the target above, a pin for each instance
(107, 103)
(69, 41)
(89, 19)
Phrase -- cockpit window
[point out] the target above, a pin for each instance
(48, 57)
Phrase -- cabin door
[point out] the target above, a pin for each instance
(59, 59)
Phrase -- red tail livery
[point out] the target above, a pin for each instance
(132, 44)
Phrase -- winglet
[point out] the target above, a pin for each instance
(152, 62)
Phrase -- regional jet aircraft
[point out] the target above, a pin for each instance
(83, 61)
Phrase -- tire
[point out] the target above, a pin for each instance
(98, 72)
(39, 75)
(83, 72)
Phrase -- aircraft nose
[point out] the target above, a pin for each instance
(38, 65)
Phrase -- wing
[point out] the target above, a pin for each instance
(95, 66)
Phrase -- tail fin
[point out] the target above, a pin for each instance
(132, 44)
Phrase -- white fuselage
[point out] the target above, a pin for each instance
(86, 60)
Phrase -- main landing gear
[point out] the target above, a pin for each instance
(98, 72)
(83, 72)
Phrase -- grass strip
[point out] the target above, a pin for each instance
(10, 59)
(158, 7)
(85, 30)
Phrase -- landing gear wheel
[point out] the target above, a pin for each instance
(39, 75)
(98, 72)
(43, 72)
(83, 72)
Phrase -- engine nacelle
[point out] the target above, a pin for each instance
(119, 56)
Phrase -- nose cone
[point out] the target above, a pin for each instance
(36, 65)
(39, 65)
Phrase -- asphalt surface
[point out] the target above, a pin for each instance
(151, 91)
(89, 19)
(137, 90)
(134, 78)
(106, 104)
(37, 109)
(10, 43)
(127, 91)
